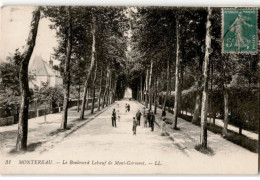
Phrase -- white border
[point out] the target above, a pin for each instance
(218, 3)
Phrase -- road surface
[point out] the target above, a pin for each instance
(99, 148)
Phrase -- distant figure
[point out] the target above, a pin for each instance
(128, 107)
(138, 117)
(144, 111)
(149, 117)
(118, 117)
(145, 121)
(113, 118)
(163, 113)
(134, 126)
(118, 108)
(163, 130)
(152, 121)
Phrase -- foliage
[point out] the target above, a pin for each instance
(9, 70)
(48, 95)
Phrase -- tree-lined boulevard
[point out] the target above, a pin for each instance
(98, 141)
(167, 59)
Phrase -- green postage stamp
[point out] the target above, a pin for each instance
(239, 30)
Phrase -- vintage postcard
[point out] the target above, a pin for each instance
(129, 90)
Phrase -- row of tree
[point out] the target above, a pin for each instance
(183, 41)
(91, 49)
(154, 51)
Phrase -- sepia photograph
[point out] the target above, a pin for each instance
(129, 90)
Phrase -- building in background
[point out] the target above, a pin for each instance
(44, 73)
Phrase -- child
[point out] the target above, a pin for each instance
(134, 126)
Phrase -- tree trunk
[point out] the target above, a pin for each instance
(109, 91)
(240, 129)
(141, 89)
(214, 118)
(204, 106)
(167, 84)
(87, 98)
(177, 83)
(146, 88)
(100, 89)
(156, 96)
(170, 79)
(226, 118)
(180, 89)
(91, 66)
(150, 85)
(197, 106)
(104, 98)
(66, 80)
(94, 91)
(114, 92)
(21, 143)
(78, 103)
(106, 88)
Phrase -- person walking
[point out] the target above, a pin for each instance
(145, 122)
(149, 117)
(113, 118)
(145, 117)
(152, 120)
(138, 117)
(144, 111)
(128, 107)
(163, 113)
(134, 126)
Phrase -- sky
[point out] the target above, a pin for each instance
(15, 27)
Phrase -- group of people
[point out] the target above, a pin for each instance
(127, 107)
(149, 119)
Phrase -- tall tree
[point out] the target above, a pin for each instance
(66, 75)
(93, 53)
(100, 89)
(146, 88)
(204, 107)
(177, 82)
(150, 85)
(21, 143)
(167, 83)
(94, 89)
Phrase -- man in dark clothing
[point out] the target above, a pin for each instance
(134, 126)
(149, 117)
(138, 117)
(114, 118)
(152, 119)
(128, 107)
(163, 113)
